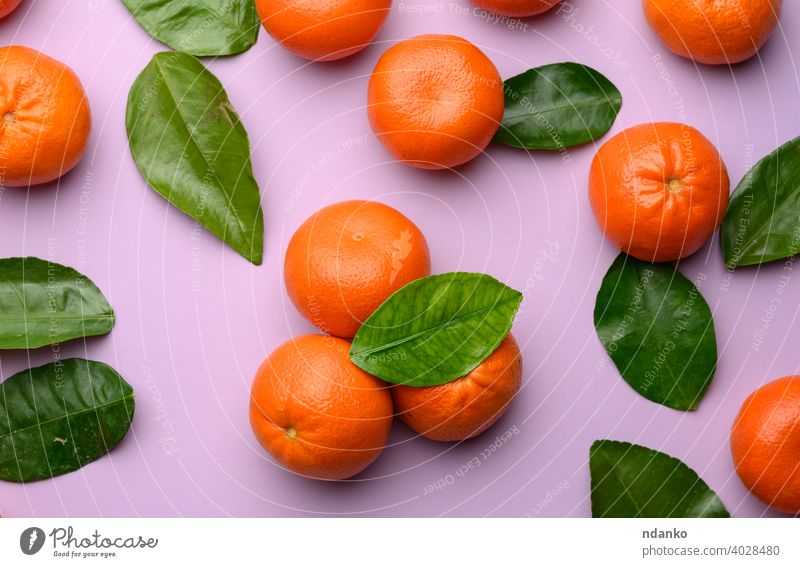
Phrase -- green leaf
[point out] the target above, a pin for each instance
(557, 106)
(44, 303)
(658, 330)
(56, 418)
(631, 481)
(199, 27)
(191, 147)
(435, 329)
(763, 218)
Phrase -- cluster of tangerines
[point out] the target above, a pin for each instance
(658, 191)
(314, 410)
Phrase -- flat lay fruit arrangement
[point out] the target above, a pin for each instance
(470, 257)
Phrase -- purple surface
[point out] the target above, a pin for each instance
(195, 319)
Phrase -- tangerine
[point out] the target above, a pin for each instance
(347, 259)
(765, 444)
(659, 191)
(323, 30)
(8, 6)
(467, 406)
(45, 118)
(435, 101)
(316, 412)
(715, 32)
(516, 8)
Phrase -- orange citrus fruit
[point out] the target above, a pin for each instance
(347, 259)
(8, 6)
(713, 31)
(316, 412)
(465, 407)
(323, 30)
(435, 101)
(45, 118)
(658, 191)
(516, 8)
(765, 443)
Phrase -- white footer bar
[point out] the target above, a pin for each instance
(399, 542)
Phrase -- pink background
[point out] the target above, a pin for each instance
(195, 319)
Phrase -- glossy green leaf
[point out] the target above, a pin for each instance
(436, 329)
(557, 106)
(631, 481)
(763, 218)
(56, 418)
(191, 147)
(199, 27)
(44, 303)
(658, 330)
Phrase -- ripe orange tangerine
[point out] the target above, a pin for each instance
(765, 443)
(516, 8)
(465, 407)
(435, 101)
(316, 412)
(715, 32)
(45, 118)
(8, 6)
(323, 30)
(658, 191)
(347, 259)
